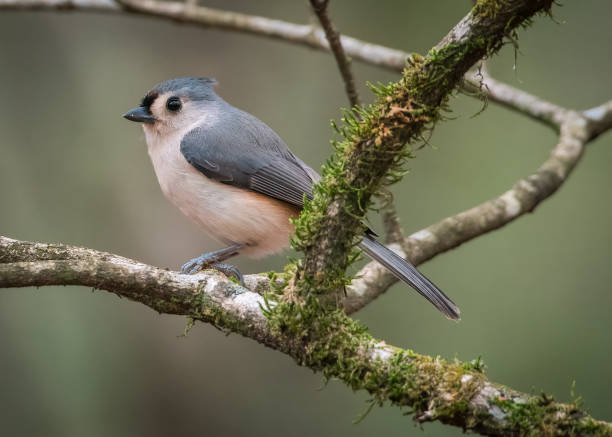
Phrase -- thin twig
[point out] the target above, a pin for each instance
(480, 81)
(390, 219)
(335, 43)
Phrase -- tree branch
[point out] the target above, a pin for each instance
(518, 100)
(599, 119)
(333, 38)
(312, 37)
(376, 146)
(299, 34)
(391, 221)
(453, 393)
(337, 346)
(576, 131)
(305, 35)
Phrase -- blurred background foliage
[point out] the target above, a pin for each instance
(535, 296)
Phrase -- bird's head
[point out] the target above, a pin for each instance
(176, 104)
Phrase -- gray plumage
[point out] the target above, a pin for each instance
(408, 273)
(234, 148)
(242, 151)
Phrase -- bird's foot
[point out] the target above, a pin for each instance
(198, 263)
(229, 271)
(211, 260)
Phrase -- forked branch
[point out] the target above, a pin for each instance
(453, 393)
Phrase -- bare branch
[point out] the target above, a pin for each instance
(109, 6)
(333, 37)
(390, 219)
(515, 99)
(599, 119)
(209, 17)
(434, 388)
(300, 34)
(391, 223)
(576, 131)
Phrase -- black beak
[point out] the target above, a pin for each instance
(140, 115)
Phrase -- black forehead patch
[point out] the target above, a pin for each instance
(148, 100)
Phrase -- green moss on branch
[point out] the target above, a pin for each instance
(431, 388)
(375, 147)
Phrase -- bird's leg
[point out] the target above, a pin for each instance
(214, 260)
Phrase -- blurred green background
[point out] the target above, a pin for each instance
(535, 296)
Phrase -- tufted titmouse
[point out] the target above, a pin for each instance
(234, 176)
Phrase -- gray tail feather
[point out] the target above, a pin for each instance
(408, 273)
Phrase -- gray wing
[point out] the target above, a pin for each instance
(243, 151)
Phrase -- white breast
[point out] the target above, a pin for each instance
(227, 213)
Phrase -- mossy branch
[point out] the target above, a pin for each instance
(576, 130)
(434, 389)
(323, 339)
(376, 145)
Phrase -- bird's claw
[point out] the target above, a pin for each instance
(194, 265)
(229, 271)
(203, 261)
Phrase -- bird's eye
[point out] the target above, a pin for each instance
(174, 104)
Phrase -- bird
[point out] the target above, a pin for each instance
(238, 181)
